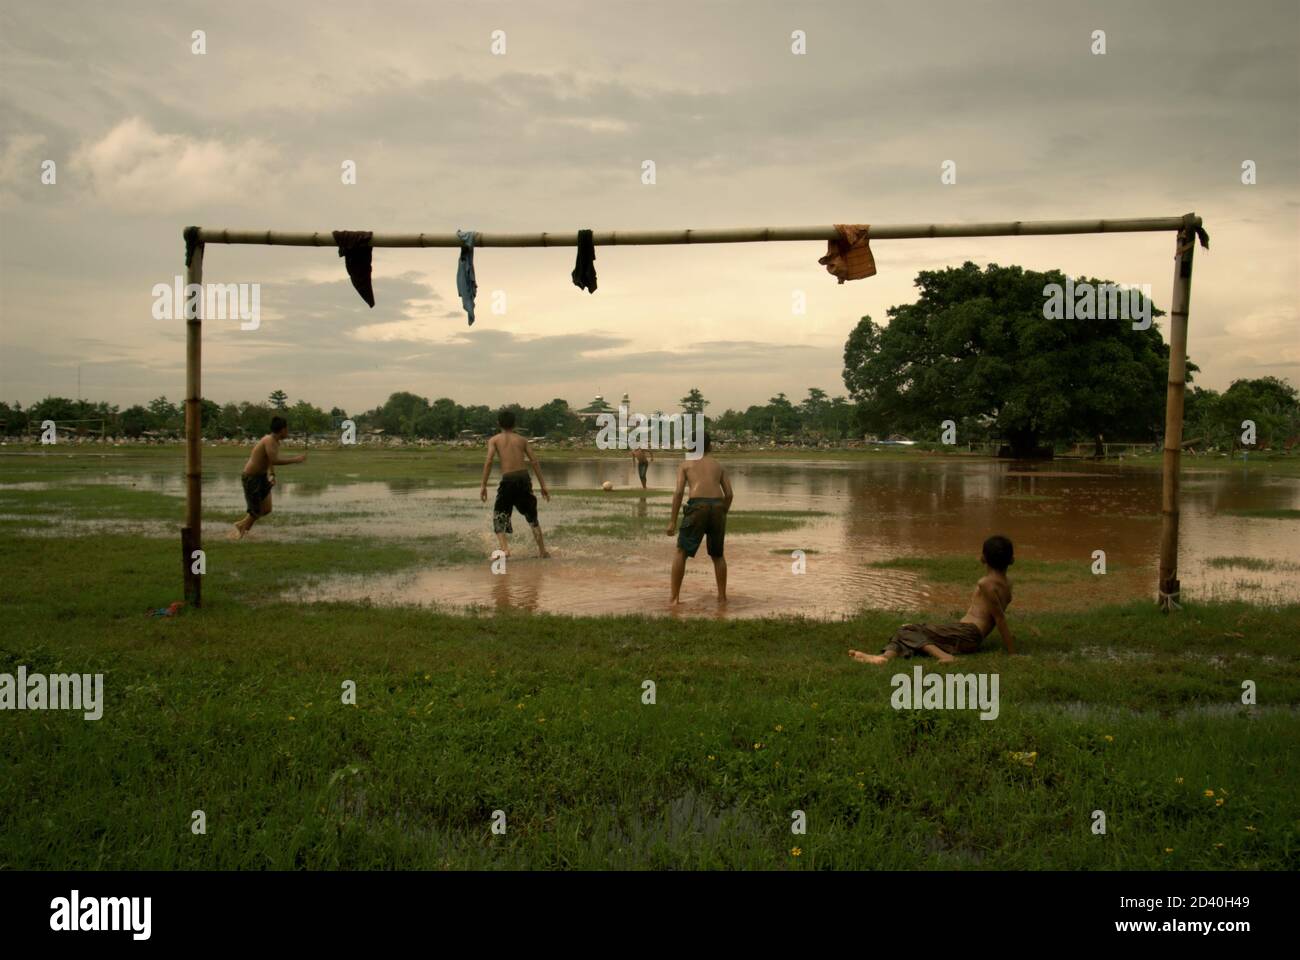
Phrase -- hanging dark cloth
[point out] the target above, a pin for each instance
(584, 272)
(192, 243)
(466, 284)
(356, 251)
(1186, 233)
(848, 257)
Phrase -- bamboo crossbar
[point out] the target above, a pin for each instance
(569, 238)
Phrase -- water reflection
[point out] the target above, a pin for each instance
(611, 555)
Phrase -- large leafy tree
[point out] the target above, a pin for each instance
(401, 412)
(694, 401)
(977, 349)
(554, 419)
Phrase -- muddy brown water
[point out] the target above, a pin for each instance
(857, 514)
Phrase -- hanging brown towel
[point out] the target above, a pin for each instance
(584, 271)
(849, 256)
(356, 251)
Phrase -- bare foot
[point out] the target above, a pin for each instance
(544, 555)
(868, 657)
(674, 602)
(236, 533)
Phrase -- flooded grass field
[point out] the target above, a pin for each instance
(890, 534)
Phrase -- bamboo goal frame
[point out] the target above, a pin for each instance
(1186, 227)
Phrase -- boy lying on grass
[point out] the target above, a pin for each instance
(943, 640)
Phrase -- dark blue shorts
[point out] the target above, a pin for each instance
(703, 517)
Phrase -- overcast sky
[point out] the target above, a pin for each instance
(148, 137)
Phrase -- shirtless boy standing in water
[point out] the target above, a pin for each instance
(642, 460)
(942, 640)
(706, 515)
(515, 492)
(259, 476)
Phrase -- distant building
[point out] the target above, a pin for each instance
(594, 409)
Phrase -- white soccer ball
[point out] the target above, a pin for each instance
(607, 485)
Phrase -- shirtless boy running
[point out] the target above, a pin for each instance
(705, 515)
(942, 640)
(259, 476)
(515, 491)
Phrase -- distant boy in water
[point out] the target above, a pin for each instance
(515, 491)
(991, 597)
(642, 459)
(259, 476)
(705, 516)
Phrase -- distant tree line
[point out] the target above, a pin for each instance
(162, 417)
(402, 415)
(408, 415)
(1214, 420)
(817, 417)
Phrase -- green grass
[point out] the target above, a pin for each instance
(1250, 563)
(236, 710)
(1275, 462)
(90, 502)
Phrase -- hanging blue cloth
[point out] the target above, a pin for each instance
(466, 285)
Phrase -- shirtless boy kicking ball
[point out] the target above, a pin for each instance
(259, 476)
(705, 515)
(515, 491)
(942, 640)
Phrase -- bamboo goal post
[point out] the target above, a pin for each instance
(1186, 227)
